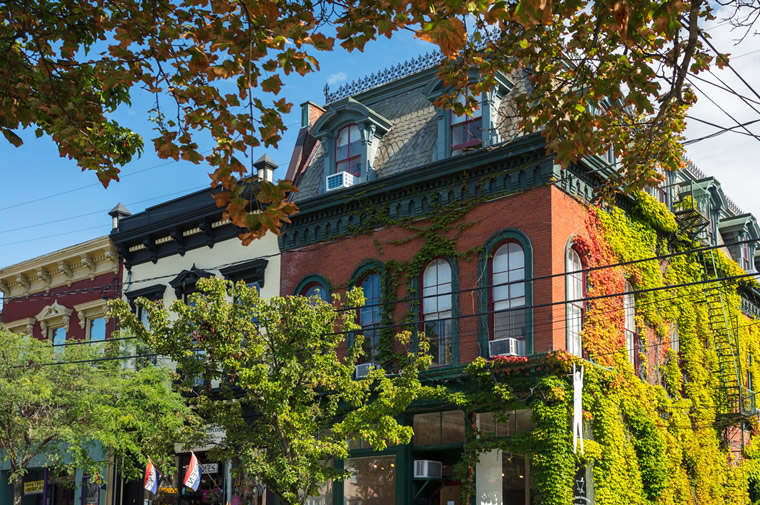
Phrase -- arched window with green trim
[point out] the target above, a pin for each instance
(436, 310)
(507, 294)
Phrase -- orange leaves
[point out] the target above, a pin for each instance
(272, 84)
(320, 42)
(621, 12)
(530, 13)
(11, 137)
(449, 34)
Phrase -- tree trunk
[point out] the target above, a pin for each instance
(18, 490)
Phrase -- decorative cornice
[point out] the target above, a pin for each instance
(90, 310)
(25, 325)
(60, 268)
(412, 194)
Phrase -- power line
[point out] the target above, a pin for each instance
(196, 188)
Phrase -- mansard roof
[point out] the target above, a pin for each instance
(409, 141)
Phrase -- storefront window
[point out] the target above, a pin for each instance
(372, 481)
(244, 488)
(515, 480)
(518, 421)
(438, 428)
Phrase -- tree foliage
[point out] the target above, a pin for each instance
(603, 73)
(61, 407)
(279, 379)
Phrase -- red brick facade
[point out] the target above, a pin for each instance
(547, 216)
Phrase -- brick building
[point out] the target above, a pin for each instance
(466, 229)
(61, 297)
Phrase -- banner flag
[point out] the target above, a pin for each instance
(193, 474)
(151, 478)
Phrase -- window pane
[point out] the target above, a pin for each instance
(355, 166)
(342, 138)
(514, 481)
(59, 336)
(372, 481)
(458, 135)
(343, 166)
(98, 329)
(452, 427)
(354, 148)
(427, 428)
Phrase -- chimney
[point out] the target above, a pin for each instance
(265, 168)
(310, 112)
(117, 213)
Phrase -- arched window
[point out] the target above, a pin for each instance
(315, 289)
(348, 154)
(576, 306)
(369, 314)
(507, 276)
(629, 327)
(466, 131)
(436, 310)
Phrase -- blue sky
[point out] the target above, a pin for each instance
(47, 203)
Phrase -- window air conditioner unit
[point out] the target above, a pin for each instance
(426, 469)
(506, 347)
(339, 180)
(362, 369)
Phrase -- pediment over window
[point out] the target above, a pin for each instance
(436, 87)
(185, 282)
(483, 128)
(54, 315)
(345, 112)
(152, 293)
(740, 226)
(250, 272)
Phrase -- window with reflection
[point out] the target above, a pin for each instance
(58, 336)
(439, 428)
(629, 326)
(575, 293)
(97, 329)
(436, 311)
(348, 154)
(507, 312)
(315, 289)
(369, 314)
(372, 481)
(466, 131)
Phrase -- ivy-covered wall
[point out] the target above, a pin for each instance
(661, 441)
(654, 434)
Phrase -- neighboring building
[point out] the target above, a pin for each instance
(466, 229)
(166, 249)
(61, 297)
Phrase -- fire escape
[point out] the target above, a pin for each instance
(692, 210)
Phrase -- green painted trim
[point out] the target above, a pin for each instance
(484, 299)
(367, 267)
(311, 278)
(512, 168)
(415, 309)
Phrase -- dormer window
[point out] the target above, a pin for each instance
(466, 131)
(459, 133)
(348, 151)
(350, 134)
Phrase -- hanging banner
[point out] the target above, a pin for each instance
(577, 408)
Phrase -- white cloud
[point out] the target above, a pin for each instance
(336, 78)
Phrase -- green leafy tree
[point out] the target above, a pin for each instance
(58, 405)
(602, 73)
(279, 380)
